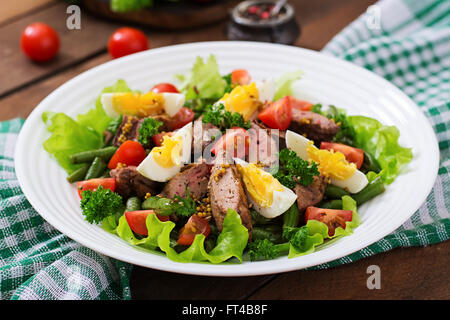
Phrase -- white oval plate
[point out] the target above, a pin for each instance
(326, 79)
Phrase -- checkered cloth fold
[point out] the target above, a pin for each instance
(406, 42)
(37, 261)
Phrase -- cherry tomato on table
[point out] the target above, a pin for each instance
(164, 87)
(39, 42)
(352, 154)
(240, 77)
(181, 118)
(136, 220)
(195, 225)
(131, 153)
(93, 184)
(331, 217)
(125, 41)
(277, 115)
(237, 139)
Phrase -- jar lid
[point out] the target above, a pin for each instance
(263, 23)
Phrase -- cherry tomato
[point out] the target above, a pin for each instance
(331, 217)
(240, 77)
(352, 154)
(39, 42)
(136, 220)
(125, 41)
(302, 105)
(195, 225)
(93, 184)
(159, 137)
(237, 139)
(181, 118)
(130, 152)
(164, 87)
(277, 115)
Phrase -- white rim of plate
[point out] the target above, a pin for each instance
(245, 269)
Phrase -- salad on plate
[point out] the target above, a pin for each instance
(221, 167)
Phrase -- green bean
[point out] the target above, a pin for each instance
(87, 156)
(264, 233)
(334, 192)
(291, 218)
(105, 173)
(78, 174)
(96, 169)
(162, 206)
(370, 163)
(333, 204)
(133, 204)
(374, 188)
(258, 218)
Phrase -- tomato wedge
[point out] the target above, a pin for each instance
(136, 220)
(93, 184)
(331, 217)
(164, 87)
(237, 139)
(352, 154)
(240, 77)
(181, 118)
(302, 105)
(277, 115)
(158, 138)
(195, 225)
(131, 153)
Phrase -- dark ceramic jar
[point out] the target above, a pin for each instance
(249, 23)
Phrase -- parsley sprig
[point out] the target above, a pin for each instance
(99, 204)
(293, 169)
(224, 119)
(148, 129)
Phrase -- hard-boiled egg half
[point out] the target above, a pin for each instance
(141, 105)
(331, 164)
(247, 99)
(164, 162)
(268, 196)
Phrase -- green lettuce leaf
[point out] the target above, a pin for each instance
(382, 142)
(231, 242)
(283, 85)
(204, 81)
(70, 136)
(318, 231)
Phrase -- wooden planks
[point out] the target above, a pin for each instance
(406, 273)
(12, 9)
(411, 273)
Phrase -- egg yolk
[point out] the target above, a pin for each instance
(331, 164)
(259, 184)
(243, 100)
(138, 104)
(169, 153)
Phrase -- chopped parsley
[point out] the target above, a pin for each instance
(224, 119)
(148, 129)
(99, 204)
(185, 207)
(228, 83)
(293, 169)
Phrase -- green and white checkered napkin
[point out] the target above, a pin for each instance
(407, 42)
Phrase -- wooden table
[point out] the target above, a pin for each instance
(406, 273)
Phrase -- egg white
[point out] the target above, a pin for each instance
(152, 170)
(281, 201)
(266, 90)
(173, 102)
(299, 144)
